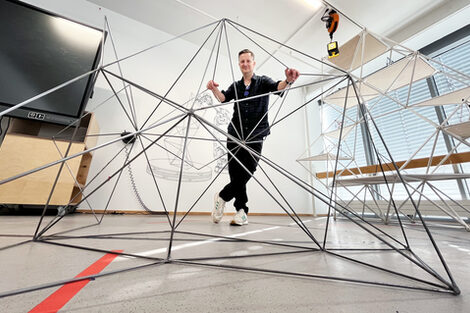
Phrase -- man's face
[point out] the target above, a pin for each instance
(246, 63)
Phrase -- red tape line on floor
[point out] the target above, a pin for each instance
(64, 294)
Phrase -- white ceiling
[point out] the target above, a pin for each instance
(292, 22)
(278, 18)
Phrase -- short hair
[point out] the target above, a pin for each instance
(246, 51)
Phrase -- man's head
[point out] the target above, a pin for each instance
(246, 61)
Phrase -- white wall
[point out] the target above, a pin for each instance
(156, 70)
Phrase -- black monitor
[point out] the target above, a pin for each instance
(40, 50)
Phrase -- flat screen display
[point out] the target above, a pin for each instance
(40, 50)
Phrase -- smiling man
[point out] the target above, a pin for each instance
(250, 125)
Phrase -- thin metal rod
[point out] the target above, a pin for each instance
(251, 269)
(178, 189)
(273, 243)
(19, 105)
(67, 281)
(89, 113)
(16, 244)
(217, 54)
(128, 96)
(202, 194)
(123, 254)
(270, 54)
(237, 103)
(207, 65)
(155, 182)
(387, 270)
(340, 139)
(73, 177)
(116, 182)
(298, 220)
(35, 236)
(119, 100)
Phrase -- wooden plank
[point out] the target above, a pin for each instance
(324, 157)
(455, 158)
(20, 153)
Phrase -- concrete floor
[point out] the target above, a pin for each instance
(189, 288)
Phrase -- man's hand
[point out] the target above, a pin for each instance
(291, 75)
(211, 85)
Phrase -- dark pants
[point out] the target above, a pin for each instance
(238, 175)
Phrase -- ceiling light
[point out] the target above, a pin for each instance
(316, 4)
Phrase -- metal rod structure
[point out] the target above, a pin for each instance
(314, 192)
(120, 169)
(179, 187)
(310, 189)
(192, 114)
(55, 221)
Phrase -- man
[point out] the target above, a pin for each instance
(249, 125)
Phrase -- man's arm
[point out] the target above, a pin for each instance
(212, 86)
(291, 77)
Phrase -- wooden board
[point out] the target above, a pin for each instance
(324, 157)
(20, 153)
(416, 163)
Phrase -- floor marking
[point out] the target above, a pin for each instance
(64, 294)
(194, 244)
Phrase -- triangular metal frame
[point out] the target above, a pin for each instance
(186, 116)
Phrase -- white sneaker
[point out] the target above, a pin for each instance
(240, 218)
(218, 211)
